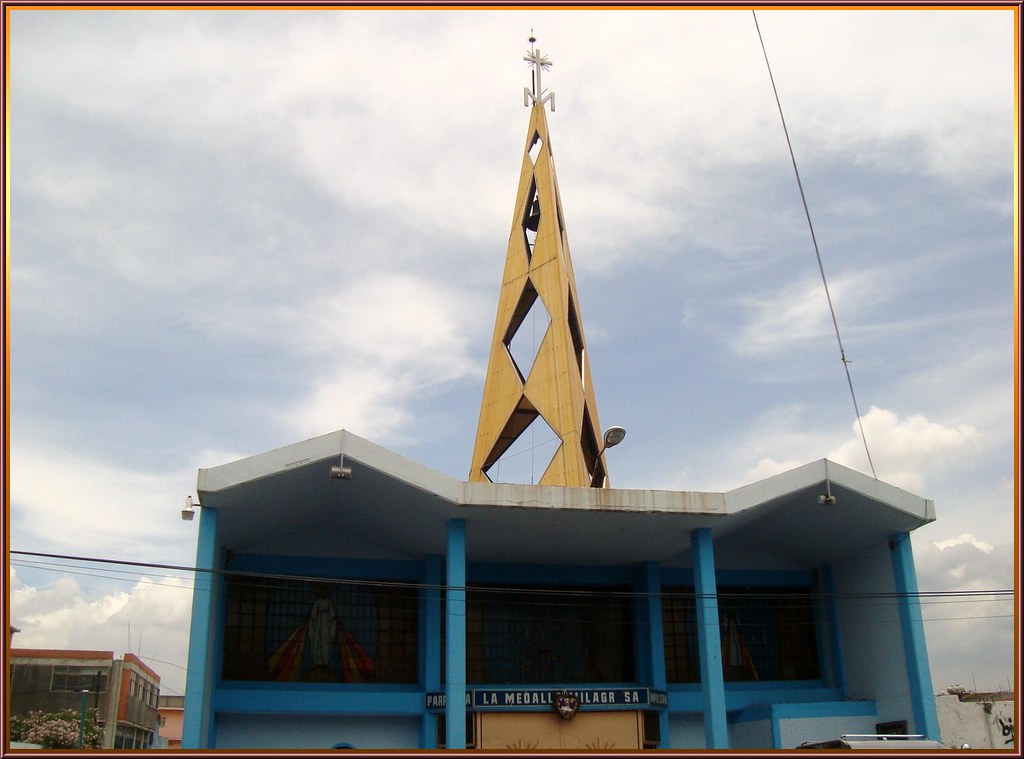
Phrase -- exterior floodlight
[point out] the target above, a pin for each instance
(341, 472)
(188, 513)
(826, 498)
(613, 436)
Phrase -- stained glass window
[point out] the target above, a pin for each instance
(320, 631)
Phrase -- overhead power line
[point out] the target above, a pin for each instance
(669, 591)
(817, 253)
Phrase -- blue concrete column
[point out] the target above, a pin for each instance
(835, 635)
(656, 641)
(709, 639)
(195, 731)
(430, 643)
(919, 678)
(455, 638)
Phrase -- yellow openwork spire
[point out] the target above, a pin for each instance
(554, 392)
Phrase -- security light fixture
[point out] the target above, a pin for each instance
(613, 436)
(341, 472)
(827, 499)
(188, 513)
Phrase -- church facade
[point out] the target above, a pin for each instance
(350, 597)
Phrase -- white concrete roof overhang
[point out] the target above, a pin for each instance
(395, 507)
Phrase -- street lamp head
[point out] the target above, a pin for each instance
(613, 436)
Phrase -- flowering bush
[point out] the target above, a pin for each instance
(57, 729)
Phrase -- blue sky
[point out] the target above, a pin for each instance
(233, 230)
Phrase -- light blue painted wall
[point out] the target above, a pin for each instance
(317, 698)
(686, 731)
(677, 729)
(302, 566)
(312, 731)
(922, 696)
(874, 662)
(196, 728)
(430, 642)
(655, 642)
(830, 639)
(755, 734)
(793, 732)
(708, 638)
(786, 725)
(455, 636)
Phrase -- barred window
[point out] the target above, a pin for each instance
(766, 634)
(78, 678)
(548, 635)
(679, 625)
(320, 631)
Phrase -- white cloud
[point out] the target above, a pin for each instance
(905, 450)
(799, 312)
(908, 451)
(393, 337)
(970, 634)
(395, 319)
(366, 401)
(871, 84)
(76, 504)
(768, 467)
(153, 614)
(961, 539)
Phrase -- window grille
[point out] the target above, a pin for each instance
(548, 635)
(766, 634)
(679, 624)
(345, 631)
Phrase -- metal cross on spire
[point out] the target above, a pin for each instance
(540, 63)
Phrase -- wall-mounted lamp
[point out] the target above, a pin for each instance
(188, 513)
(827, 499)
(341, 472)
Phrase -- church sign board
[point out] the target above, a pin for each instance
(533, 698)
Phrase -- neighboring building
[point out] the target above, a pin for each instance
(172, 714)
(348, 596)
(123, 691)
(981, 720)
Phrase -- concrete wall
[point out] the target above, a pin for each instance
(979, 724)
(787, 725)
(793, 732)
(873, 657)
(311, 731)
(686, 731)
(756, 734)
(30, 690)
